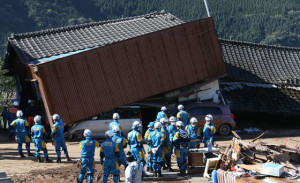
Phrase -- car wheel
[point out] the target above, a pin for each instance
(78, 135)
(224, 129)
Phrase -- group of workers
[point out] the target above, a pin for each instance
(164, 137)
(23, 130)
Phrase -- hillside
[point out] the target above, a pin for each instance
(275, 22)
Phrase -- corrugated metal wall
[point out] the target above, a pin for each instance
(95, 81)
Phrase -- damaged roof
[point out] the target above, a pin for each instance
(255, 97)
(258, 63)
(34, 46)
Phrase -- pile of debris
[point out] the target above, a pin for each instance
(258, 160)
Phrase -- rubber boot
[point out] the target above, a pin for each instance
(169, 165)
(48, 160)
(159, 174)
(30, 154)
(58, 160)
(155, 174)
(148, 169)
(68, 158)
(181, 173)
(39, 160)
(22, 155)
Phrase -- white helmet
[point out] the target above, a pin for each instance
(157, 125)
(209, 117)
(164, 120)
(88, 133)
(109, 134)
(16, 103)
(115, 129)
(172, 119)
(136, 124)
(116, 116)
(163, 108)
(19, 113)
(193, 120)
(180, 107)
(55, 117)
(37, 119)
(179, 123)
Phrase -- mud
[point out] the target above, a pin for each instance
(28, 170)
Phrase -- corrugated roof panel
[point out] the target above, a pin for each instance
(134, 60)
(65, 78)
(184, 54)
(112, 75)
(194, 38)
(107, 77)
(161, 62)
(125, 71)
(148, 62)
(174, 64)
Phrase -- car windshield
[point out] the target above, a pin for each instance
(198, 111)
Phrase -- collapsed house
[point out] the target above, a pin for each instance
(261, 78)
(80, 71)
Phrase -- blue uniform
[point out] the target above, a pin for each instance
(156, 139)
(209, 131)
(161, 114)
(135, 141)
(181, 143)
(147, 134)
(195, 136)
(166, 145)
(38, 138)
(116, 123)
(183, 116)
(172, 130)
(87, 164)
(122, 143)
(59, 139)
(110, 151)
(22, 128)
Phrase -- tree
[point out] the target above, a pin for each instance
(7, 88)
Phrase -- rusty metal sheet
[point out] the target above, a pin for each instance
(98, 80)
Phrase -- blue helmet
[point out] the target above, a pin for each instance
(151, 125)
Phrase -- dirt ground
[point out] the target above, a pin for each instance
(28, 170)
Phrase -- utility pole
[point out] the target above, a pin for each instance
(206, 6)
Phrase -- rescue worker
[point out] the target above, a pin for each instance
(157, 139)
(122, 143)
(110, 152)
(209, 131)
(115, 122)
(135, 142)
(172, 130)
(162, 113)
(166, 145)
(194, 133)
(134, 170)
(59, 139)
(39, 139)
(183, 115)
(12, 111)
(181, 142)
(87, 162)
(150, 129)
(22, 128)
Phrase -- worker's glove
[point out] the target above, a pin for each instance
(101, 162)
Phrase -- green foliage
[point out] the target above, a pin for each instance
(273, 22)
(7, 88)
